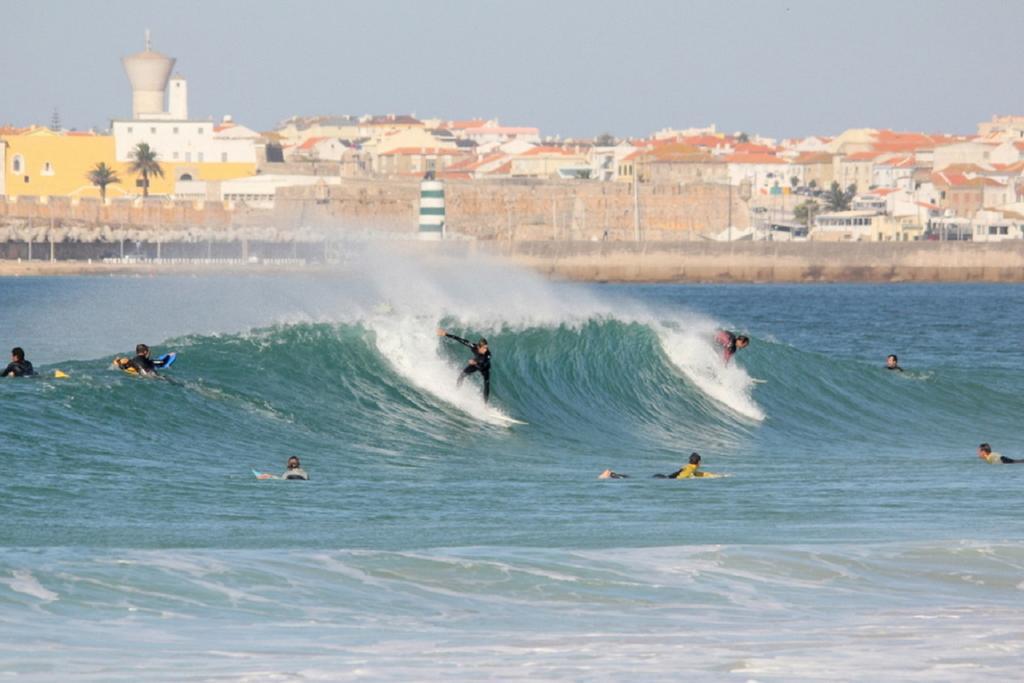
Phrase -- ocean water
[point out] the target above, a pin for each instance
(857, 536)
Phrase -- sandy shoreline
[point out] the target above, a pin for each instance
(653, 262)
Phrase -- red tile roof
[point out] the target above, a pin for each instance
(1016, 168)
(813, 158)
(957, 179)
(466, 123)
(751, 148)
(898, 161)
(705, 141)
(309, 143)
(547, 150)
(504, 169)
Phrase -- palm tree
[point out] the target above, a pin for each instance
(102, 175)
(144, 161)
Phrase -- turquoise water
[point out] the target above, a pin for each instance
(856, 537)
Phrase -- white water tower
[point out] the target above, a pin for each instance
(148, 72)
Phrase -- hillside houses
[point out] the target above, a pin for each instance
(915, 180)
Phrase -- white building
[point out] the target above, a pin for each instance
(766, 173)
(187, 141)
(856, 226)
(1008, 153)
(962, 153)
(992, 225)
(894, 172)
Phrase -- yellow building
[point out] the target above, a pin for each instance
(42, 163)
(39, 162)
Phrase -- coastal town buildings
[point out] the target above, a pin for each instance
(895, 185)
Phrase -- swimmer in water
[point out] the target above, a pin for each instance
(689, 471)
(731, 343)
(480, 362)
(18, 367)
(609, 474)
(986, 453)
(892, 363)
(294, 471)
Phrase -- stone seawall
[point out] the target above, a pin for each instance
(771, 261)
(516, 209)
(522, 209)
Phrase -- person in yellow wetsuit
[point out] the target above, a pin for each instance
(689, 471)
(986, 453)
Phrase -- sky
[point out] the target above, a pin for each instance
(572, 67)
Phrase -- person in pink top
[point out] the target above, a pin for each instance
(731, 343)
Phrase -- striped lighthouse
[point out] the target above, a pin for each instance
(431, 208)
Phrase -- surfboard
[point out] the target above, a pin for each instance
(755, 380)
(262, 475)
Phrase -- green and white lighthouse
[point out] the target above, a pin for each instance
(431, 208)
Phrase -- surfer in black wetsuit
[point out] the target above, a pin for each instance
(731, 343)
(141, 363)
(480, 362)
(18, 367)
(893, 363)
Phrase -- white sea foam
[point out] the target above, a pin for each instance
(411, 346)
(698, 357)
(22, 581)
(488, 294)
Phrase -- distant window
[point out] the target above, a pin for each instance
(175, 130)
(185, 176)
(223, 157)
(129, 129)
(200, 131)
(174, 155)
(26, 179)
(200, 156)
(47, 168)
(152, 130)
(188, 156)
(17, 163)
